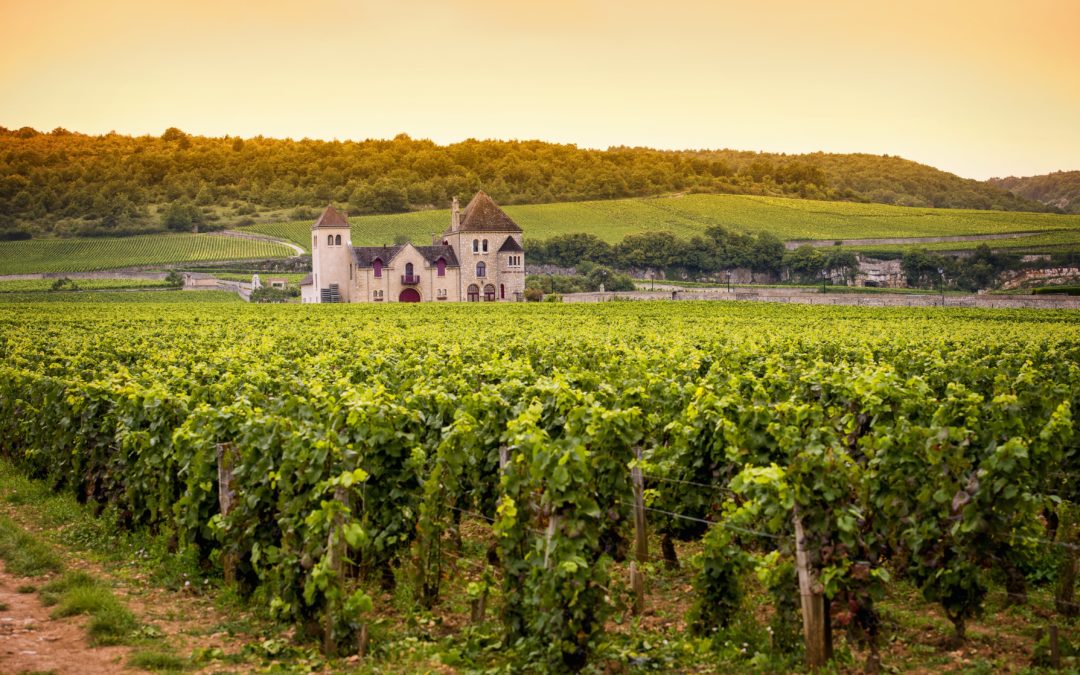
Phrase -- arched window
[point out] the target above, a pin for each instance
(489, 293)
(485, 246)
(440, 264)
(377, 266)
(502, 291)
(337, 240)
(475, 245)
(474, 293)
(408, 269)
(329, 240)
(481, 269)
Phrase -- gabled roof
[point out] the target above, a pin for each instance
(330, 217)
(366, 255)
(433, 253)
(484, 215)
(511, 246)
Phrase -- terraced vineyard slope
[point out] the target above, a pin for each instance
(689, 215)
(88, 255)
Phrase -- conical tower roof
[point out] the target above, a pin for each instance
(484, 215)
(331, 217)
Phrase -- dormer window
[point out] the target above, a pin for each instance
(440, 265)
(377, 266)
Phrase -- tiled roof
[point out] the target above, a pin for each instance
(331, 217)
(484, 215)
(308, 280)
(366, 255)
(511, 246)
(432, 253)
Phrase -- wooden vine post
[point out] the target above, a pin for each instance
(641, 541)
(1055, 648)
(812, 595)
(336, 554)
(227, 457)
(478, 605)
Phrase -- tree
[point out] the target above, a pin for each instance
(182, 216)
(805, 262)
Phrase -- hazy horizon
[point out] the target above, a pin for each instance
(980, 89)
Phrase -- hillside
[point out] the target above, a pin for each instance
(62, 183)
(1060, 189)
(690, 215)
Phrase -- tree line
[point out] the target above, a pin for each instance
(64, 183)
(719, 251)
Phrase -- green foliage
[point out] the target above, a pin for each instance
(1059, 190)
(74, 183)
(64, 284)
(921, 442)
(182, 216)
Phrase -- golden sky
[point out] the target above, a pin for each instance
(978, 87)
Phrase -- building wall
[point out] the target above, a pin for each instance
(332, 263)
(498, 271)
(391, 286)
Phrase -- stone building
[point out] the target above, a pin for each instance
(479, 257)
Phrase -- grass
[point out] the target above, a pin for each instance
(111, 622)
(87, 255)
(158, 662)
(23, 554)
(690, 215)
(123, 297)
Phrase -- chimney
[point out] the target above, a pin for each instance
(454, 215)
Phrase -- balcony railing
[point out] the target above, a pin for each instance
(410, 279)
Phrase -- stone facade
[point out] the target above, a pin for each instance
(480, 258)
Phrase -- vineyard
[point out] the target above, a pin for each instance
(542, 473)
(88, 255)
(690, 215)
(37, 285)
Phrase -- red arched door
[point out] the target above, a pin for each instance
(409, 295)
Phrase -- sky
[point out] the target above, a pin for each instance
(980, 88)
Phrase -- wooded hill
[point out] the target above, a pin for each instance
(66, 183)
(1060, 190)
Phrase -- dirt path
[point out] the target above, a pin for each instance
(184, 620)
(262, 237)
(31, 641)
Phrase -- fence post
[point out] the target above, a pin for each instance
(641, 540)
(811, 593)
(226, 462)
